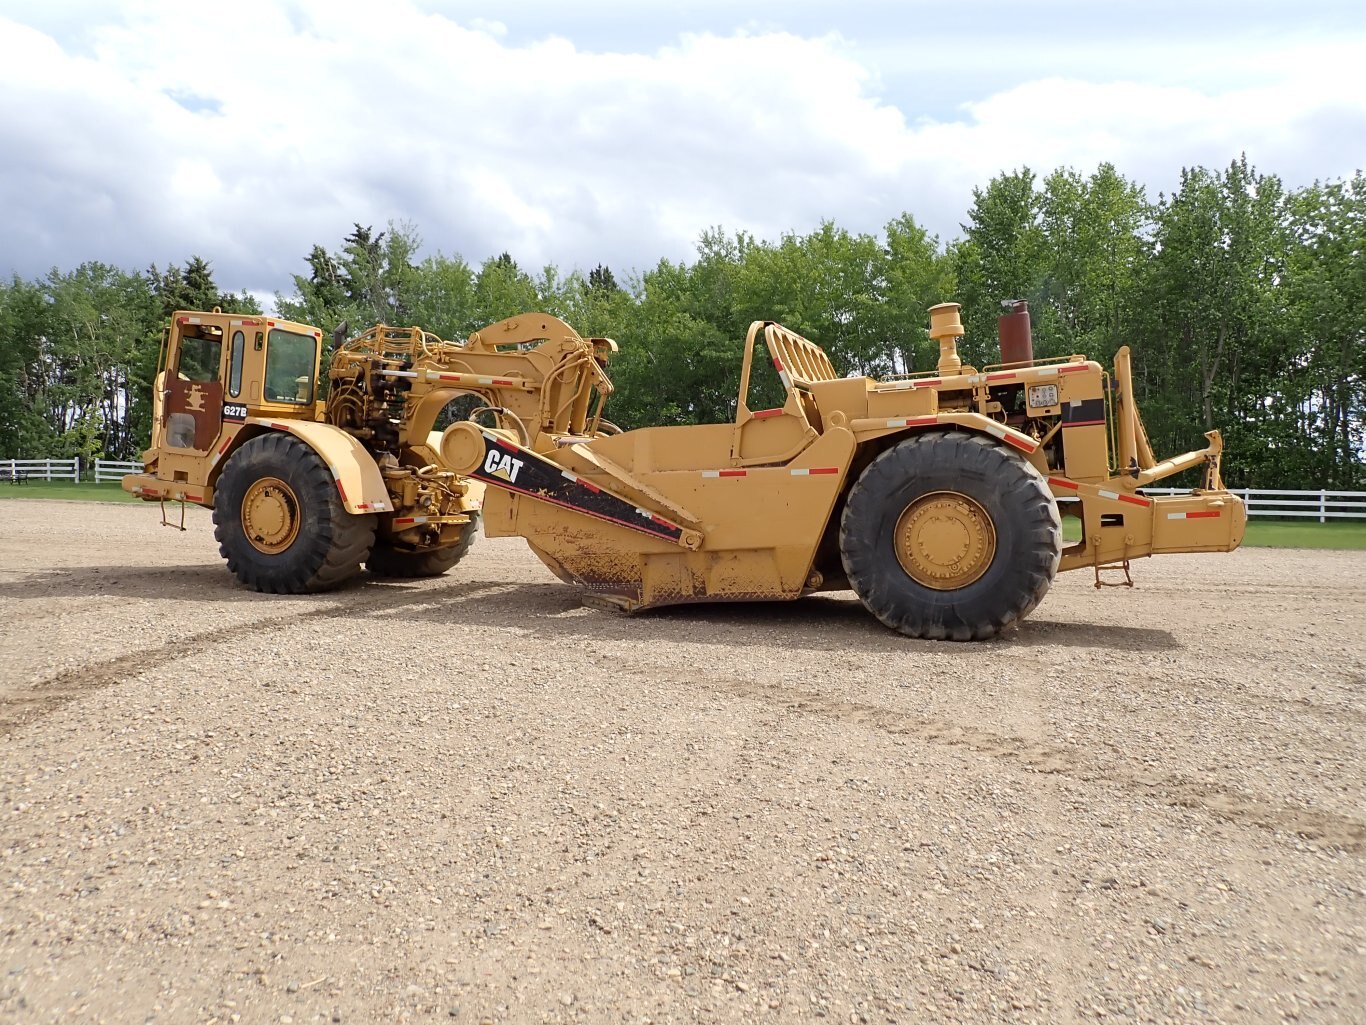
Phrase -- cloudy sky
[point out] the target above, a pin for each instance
(577, 133)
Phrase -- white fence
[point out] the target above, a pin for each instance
(107, 470)
(1320, 505)
(40, 469)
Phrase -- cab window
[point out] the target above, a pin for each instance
(239, 342)
(291, 360)
(199, 358)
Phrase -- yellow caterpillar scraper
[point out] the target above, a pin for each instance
(935, 497)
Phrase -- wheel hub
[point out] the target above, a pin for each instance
(945, 540)
(270, 515)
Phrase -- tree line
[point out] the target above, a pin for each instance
(1244, 302)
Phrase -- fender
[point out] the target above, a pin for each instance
(876, 427)
(358, 479)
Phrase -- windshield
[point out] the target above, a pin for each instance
(290, 362)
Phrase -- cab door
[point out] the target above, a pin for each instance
(192, 385)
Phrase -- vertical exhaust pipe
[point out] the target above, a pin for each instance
(1017, 337)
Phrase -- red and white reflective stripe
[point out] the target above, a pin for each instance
(1008, 376)
(408, 521)
(913, 421)
(782, 373)
(1010, 437)
(725, 473)
(1072, 368)
(1203, 514)
(190, 320)
(1115, 496)
(1043, 372)
(580, 481)
(1058, 482)
(656, 519)
(221, 449)
(496, 380)
(927, 382)
(285, 427)
(814, 470)
(764, 414)
(500, 441)
(372, 506)
(244, 323)
(896, 386)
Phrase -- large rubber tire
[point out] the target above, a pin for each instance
(329, 545)
(1011, 493)
(385, 561)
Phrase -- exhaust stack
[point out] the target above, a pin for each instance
(1017, 339)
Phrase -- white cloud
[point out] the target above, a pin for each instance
(251, 136)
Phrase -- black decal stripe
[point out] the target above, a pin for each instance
(640, 524)
(1086, 413)
(545, 481)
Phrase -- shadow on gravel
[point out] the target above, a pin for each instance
(817, 623)
(195, 582)
(1034, 633)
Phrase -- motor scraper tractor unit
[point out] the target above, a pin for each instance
(935, 497)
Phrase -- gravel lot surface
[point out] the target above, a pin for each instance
(472, 799)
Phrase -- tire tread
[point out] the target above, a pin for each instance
(907, 607)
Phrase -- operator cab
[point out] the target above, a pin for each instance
(219, 368)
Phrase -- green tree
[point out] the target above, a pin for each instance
(502, 289)
(368, 281)
(919, 274)
(23, 431)
(1212, 316)
(1326, 297)
(95, 321)
(1095, 229)
(1003, 255)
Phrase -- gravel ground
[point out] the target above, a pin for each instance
(472, 799)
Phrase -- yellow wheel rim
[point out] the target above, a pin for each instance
(270, 515)
(945, 540)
